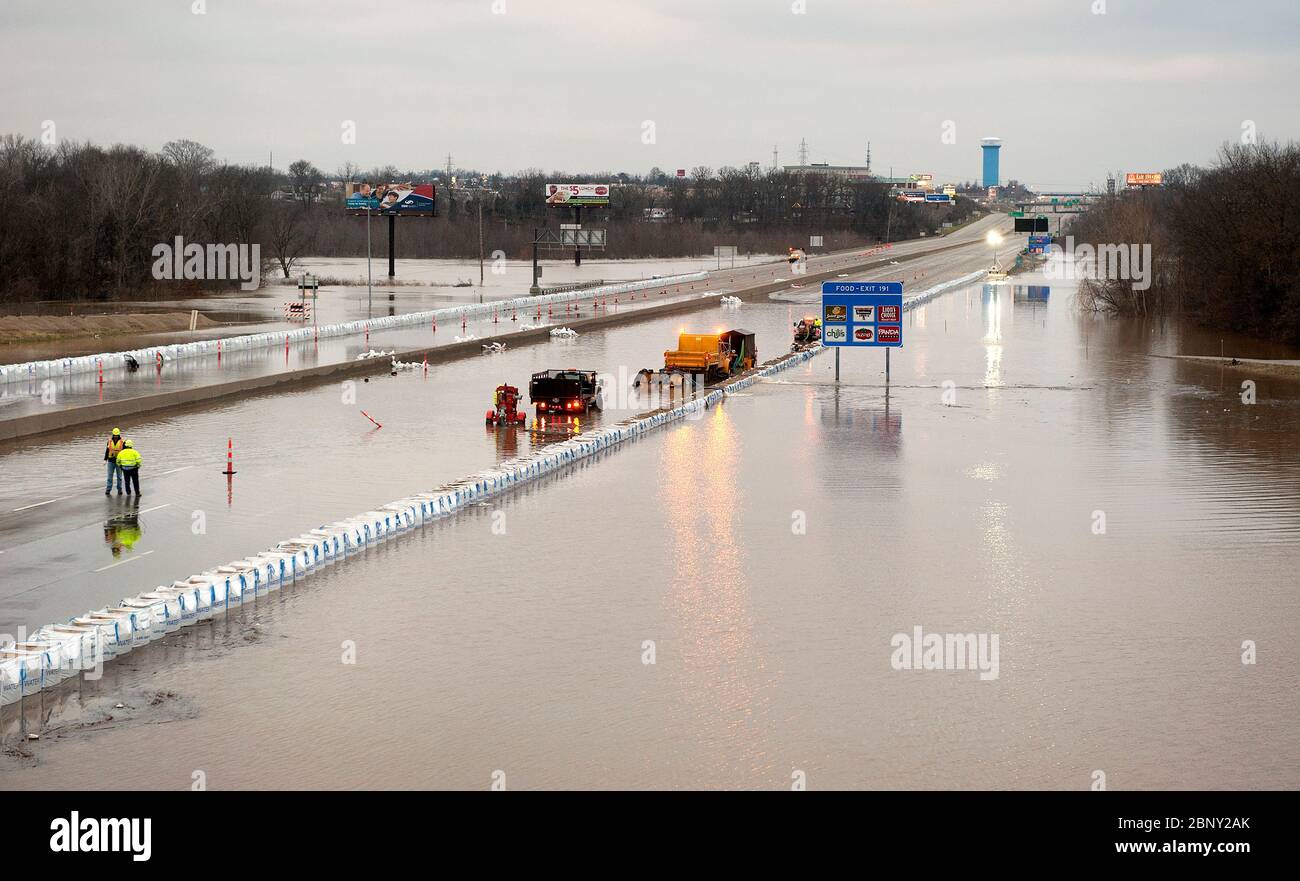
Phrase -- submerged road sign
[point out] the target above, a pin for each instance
(866, 314)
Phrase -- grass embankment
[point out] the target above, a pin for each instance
(28, 329)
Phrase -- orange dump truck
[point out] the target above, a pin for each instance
(716, 355)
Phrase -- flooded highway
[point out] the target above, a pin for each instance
(34, 396)
(714, 604)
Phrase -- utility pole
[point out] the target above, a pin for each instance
(535, 289)
(480, 243)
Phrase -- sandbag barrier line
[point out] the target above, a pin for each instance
(117, 360)
(61, 651)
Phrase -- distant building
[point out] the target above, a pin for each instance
(853, 172)
(991, 148)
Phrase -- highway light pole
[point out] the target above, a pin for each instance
(994, 238)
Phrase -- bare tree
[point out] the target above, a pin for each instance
(190, 156)
(287, 235)
(306, 179)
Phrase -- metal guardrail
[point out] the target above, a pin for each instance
(576, 286)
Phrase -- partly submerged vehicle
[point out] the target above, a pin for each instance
(505, 407)
(714, 356)
(807, 330)
(565, 392)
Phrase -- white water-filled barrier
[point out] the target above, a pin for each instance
(201, 348)
(59, 651)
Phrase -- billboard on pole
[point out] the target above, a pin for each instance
(385, 199)
(577, 194)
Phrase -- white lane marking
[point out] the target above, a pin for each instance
(38, 504)
(123, 562)
(155, 508)
(62, 498)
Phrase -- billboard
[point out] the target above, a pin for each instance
(1144, 179)
(577, 194)
(385, 199)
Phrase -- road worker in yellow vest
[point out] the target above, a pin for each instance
(115, 445)
(130, 460)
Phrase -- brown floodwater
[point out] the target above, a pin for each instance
(768, 555)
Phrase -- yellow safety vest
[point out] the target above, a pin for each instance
(129, 458)
(115, 447)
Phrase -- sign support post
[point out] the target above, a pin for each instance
(392, 247)
(370, 281)
(577, 250)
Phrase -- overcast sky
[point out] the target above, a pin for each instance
(571, 84)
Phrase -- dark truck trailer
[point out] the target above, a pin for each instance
(564, 392)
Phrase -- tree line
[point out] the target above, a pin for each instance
(81, 220)
(1225, 242)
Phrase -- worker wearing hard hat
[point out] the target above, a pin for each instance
(111, 450)
(130, 460)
